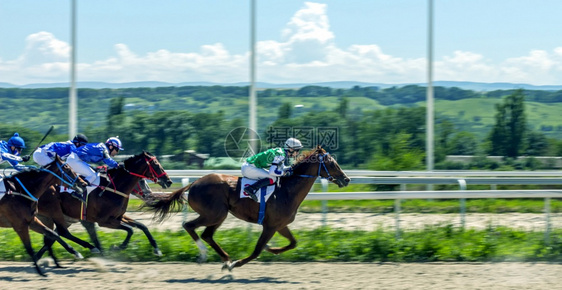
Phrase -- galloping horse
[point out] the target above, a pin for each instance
(19, 205)
(106, 205)
(215, 195)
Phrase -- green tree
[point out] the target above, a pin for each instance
(343, 107)
(445, 129)
(463, 143)
(285, 111)
(399, 155)
(508, 134)
(115, 115)
(537, 144)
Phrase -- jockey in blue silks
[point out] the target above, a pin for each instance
(94, 153)
(10, 151)
(45, 154)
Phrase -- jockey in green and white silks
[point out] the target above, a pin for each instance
(268, 165)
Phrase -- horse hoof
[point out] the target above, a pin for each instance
(232, 265)
(157, 252)
(226, 265)
(202, 259)
(95, 251)
(78, 256)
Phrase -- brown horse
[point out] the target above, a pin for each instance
(19, 206)
(106, 205)
(215, 195)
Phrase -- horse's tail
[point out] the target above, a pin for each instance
(166, 204)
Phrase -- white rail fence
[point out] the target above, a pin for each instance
(404, 178)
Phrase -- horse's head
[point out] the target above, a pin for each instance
(66, 175)
(321, 164)
(146, 165)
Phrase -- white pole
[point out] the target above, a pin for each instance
(429, 109)
(72, 119)
(253, 101)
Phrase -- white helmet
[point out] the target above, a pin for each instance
(115, 142)
(293, 143)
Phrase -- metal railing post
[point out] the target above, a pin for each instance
(184, 183)
(547, 220)
(324, 202)
(397, 209)
(462, 184)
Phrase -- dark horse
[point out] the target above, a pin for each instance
(215, 195)
(19, 206)
(106, 205)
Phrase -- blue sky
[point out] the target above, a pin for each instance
(298, 41)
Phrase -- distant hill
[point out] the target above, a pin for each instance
(475, 86)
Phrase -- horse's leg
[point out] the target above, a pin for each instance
(265, 236)
(285, 232)
(23, 233)
(91, 229)
(212, 225)
(37, 226)
(48, 242)
(207, 236)
(131, 222)
(118, 225)
(65, 233)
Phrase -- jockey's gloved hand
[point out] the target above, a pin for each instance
(288, 171)
(102, 169)
(121, 166)
(25, 158)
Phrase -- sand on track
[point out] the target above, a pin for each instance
(103, 274)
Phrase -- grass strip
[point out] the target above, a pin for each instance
(430, 244)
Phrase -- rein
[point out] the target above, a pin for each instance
(153, 172)
(103, 188)
(321, 165)
(33, 198)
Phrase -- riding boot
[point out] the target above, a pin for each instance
(252, 189)
(79, 196)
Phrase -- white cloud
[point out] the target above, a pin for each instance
(306, 52)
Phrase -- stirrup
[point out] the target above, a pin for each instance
(251, 193)
(79, 197)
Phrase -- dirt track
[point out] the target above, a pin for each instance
(100, 274)
(103, 274)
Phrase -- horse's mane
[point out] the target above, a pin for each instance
(29, 170)
(306, 155)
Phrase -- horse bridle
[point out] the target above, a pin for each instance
(154, 175)
(321, 164)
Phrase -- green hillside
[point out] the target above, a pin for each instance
(470, 111)
(477, 115)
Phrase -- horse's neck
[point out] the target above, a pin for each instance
(123, 181)
(34, 187)
(297, 188)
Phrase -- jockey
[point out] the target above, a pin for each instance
(10, 151)
(94, 153)
(274, 160)
(45, 154)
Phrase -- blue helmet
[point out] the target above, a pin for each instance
(115, 142)
(16, 141)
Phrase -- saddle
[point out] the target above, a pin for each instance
(247, 181)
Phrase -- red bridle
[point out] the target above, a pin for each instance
(154, 175)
